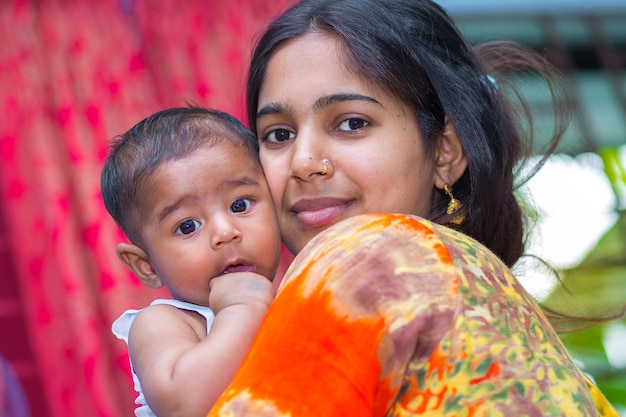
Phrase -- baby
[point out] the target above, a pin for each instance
(187, 188)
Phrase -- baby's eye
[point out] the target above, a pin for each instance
(279, 135)
(353, 124)
(240, 205)
(188, 227)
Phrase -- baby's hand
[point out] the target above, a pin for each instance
(240, 288)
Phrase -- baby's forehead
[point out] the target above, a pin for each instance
(219, 132)
(210, 171)
(222, 156)
(238, 149)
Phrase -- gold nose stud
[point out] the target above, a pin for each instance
(325, 163)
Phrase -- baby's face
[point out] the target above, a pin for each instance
(208, 214)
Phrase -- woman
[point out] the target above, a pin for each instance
(364, 107)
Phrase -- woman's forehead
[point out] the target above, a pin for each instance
(312, 66)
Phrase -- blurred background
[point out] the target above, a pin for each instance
(75, 73)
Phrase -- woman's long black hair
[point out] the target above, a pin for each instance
(413, 49)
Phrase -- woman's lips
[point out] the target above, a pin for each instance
(313, 213)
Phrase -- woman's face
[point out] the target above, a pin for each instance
(311, 109)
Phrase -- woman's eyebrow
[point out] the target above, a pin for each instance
(328, 100)
(274, 108)
(320, 103)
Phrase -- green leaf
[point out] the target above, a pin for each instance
(594, 291)
(596, 288)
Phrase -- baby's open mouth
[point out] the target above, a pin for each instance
(239, 268)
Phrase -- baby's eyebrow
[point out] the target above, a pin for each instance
(176, 204)
(226, 185)
(237, 182)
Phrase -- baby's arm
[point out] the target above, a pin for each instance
(181, 371)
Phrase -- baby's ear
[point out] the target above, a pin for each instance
(451, 158)
(135, 259)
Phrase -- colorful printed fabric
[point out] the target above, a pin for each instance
(391, 315)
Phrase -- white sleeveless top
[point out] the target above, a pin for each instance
(121, 328)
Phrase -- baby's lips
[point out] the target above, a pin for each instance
(239, 268)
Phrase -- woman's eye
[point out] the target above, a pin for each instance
(188, 227)
(279, 135)
(240, 205)
(352, 124)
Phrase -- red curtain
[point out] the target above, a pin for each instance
(73, 74)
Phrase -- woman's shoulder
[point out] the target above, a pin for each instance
(437, 271)
(392, 256)
(382, 234)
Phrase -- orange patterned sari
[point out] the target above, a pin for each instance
(391, 315)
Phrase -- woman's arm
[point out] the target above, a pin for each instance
(345, 324)
(386, 314)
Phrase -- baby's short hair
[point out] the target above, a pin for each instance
(167, 135)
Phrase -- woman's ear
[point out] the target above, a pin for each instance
(451, 158)
(135, 259)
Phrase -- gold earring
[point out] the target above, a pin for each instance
(453, 206)
(325, 163)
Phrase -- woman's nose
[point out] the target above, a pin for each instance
(224, 231)
(310, 157)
